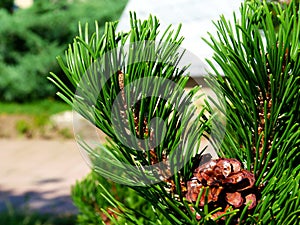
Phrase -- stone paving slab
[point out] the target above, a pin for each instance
(38, 174)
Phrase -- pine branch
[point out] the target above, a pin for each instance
(131, 87)
(154, 131)
(260, 63)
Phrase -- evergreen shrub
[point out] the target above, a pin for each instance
(32, 38)
(256, 179)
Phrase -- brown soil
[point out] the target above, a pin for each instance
(25, 126)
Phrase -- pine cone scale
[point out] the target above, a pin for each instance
(228, 185)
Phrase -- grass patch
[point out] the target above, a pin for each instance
(23, 127)
(11, 217)
(46, 107)
(32, 119)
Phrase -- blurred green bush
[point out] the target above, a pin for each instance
(30, 39)
(88, 196)
(7, 5)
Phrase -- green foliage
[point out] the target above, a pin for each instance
(93, 204)
(12, 217)
(261, 68)
(28, 47)
(7, 4)
(66, 133)
(43, 108)
(259, 82)
(23, 127)
(186, 134)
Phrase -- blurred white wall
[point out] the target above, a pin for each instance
(23, 3)
(196, 17)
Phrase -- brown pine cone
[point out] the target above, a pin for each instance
(229, 185)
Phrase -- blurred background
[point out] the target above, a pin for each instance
(39, 159)
(33, 33)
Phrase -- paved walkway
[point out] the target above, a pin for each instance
(38, 174)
